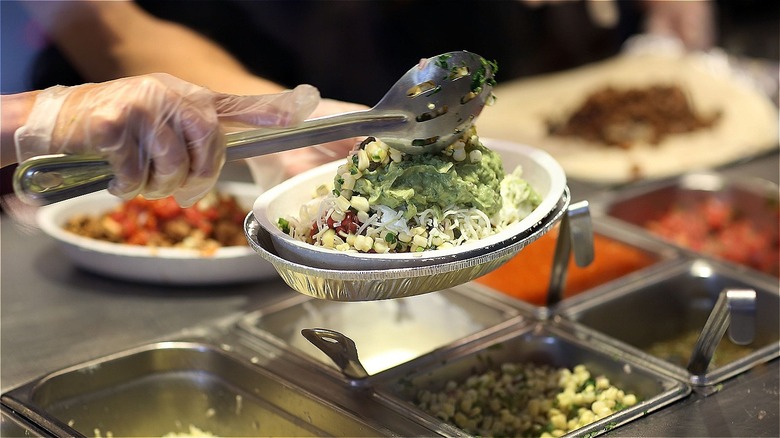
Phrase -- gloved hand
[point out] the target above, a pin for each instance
(161, 135)
(268, 170)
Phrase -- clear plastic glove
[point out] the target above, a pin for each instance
(162, 135)
(268, 170)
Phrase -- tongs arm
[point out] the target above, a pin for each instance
(734, 309)
(47, 179)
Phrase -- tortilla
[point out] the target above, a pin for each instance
(748, 124)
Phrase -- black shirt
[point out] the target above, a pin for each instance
(355, 50)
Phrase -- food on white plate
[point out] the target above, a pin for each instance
(213, 222)
(718, 118)
(385, 201)
(525, 399)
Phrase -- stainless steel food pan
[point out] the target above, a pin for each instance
(671, 303)
(386, 333)
(170, 387)
(11, 425)
(751, 201)
(619, 254)
(389, 282)
(542, 343)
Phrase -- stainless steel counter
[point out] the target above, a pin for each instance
(54, 315)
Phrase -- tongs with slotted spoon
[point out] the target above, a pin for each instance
(426, 110)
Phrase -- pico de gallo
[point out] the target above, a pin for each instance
(715, 227)
(213, 222)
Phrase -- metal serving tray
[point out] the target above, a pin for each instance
(12, 425)
(387, 333)
(678, 300)
(543, 343)
(167, 387)
(753, 199)
(610, 270)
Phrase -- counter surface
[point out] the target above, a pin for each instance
(53, 315)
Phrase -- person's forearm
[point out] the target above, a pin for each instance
(123, 40)
(14, 108)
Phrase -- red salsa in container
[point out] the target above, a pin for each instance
(715, 227)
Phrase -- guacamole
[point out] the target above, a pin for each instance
(437, 181)
(386, 201)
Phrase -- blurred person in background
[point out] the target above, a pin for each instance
(353, 51)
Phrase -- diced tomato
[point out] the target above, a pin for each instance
(152, 223)
(142, 221)
(118, 216)
(141, 237)
(129, 227)
(211, 214)
(166, 208)
(206, 226)
(192, 216)
(195, 218)
(716, 213)
(713, 227)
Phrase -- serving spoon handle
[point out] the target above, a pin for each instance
(46, 179)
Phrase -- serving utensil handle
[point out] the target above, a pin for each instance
(46, 179)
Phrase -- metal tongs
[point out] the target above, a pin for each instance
(340, 349)
(734, 310)
(426, 110)
(575, 235)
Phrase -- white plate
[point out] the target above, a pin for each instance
(171, 266)
(542, 171)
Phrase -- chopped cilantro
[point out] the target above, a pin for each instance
(586, 383)
(390, 238)
(484, 76)
(443, 61)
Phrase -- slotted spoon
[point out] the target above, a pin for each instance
(425, 111)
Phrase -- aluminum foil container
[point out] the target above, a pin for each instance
(367, 285)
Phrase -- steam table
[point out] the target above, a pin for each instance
(53, 315)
